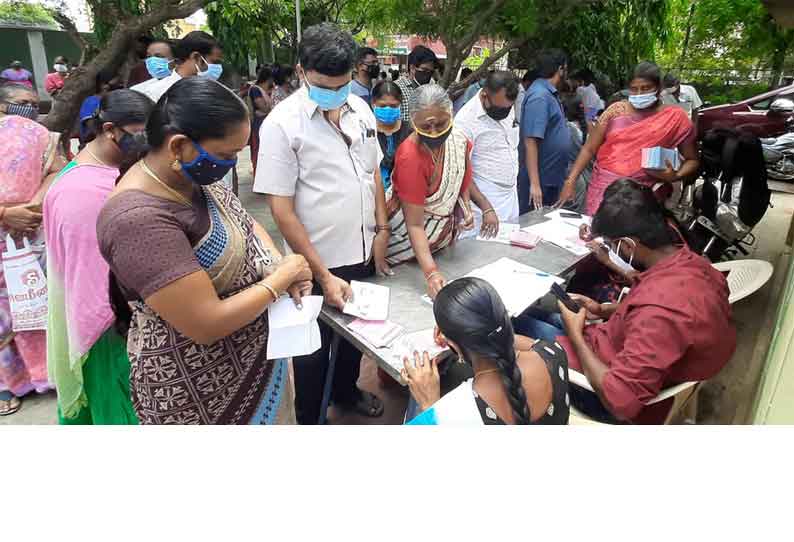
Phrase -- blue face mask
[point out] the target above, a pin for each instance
(328, 99)
(213, 71)
(158, 67)
(387, 115)
(205, 168)
(643, 101)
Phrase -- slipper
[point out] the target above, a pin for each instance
(368, 404)
(10, 406)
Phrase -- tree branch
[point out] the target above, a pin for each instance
(515, 43)
(68, 25)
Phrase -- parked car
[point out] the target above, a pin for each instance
(765, 115)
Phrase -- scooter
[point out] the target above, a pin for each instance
(779, 155)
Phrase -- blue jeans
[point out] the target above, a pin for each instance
(539, 324)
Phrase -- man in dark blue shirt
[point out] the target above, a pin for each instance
(545, 138)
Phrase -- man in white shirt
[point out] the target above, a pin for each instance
(488, 120)
(197, 53)
(685, 96)
(587, 92)
(319, 164)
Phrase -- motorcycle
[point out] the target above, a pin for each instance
(779, 154)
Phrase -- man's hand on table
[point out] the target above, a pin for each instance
(336, 291)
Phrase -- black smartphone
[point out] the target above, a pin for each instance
(566, 214)
(562, 295)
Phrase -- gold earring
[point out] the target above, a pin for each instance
(175, 165)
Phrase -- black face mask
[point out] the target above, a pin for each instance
(434, 142)
(498, 113)
(422, 77)
(373, 71)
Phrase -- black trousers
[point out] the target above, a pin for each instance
(310, 370)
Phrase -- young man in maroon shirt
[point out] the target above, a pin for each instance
(674, 326)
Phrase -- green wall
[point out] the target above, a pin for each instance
(774, 402)
(14, 46)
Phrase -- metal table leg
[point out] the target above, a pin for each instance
(329, 378)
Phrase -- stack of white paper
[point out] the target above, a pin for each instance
(369, 302)
(419, 341)
(505, 229)
(583, 219)
(562, 234)
(517, 284)
(657, 158)
(378, 334)
(293, 331)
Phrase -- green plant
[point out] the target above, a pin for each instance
(25, 13)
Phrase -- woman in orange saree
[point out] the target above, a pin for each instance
(626, 128)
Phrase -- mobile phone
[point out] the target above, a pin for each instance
(562, 295)
(566, 214)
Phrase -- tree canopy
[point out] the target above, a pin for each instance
(16, 11)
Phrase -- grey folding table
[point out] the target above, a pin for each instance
(408, 285)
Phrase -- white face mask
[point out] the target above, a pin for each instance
(618, 260)
(643, 101)
(60, 68)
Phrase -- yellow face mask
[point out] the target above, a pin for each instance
(434, 141)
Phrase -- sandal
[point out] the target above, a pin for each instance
(10, 406)
(368, 404)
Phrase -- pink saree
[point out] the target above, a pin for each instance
(629, 132)
(28, 152)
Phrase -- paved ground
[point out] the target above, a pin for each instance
(723, 400)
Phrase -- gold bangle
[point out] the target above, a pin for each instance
(491, 210)
(431, 275)
(269, 288)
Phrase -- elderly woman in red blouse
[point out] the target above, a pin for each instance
(432, 176)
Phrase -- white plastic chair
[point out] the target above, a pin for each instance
(745, 277)
(681, 393)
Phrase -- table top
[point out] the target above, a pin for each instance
(408, 285)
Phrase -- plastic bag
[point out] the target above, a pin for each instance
(27, 286)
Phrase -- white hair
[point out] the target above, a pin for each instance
(430, 95)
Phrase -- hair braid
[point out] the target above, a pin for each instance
(503, 342)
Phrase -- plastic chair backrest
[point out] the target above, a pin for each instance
(745, 277)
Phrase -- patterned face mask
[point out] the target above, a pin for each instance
(28, 111)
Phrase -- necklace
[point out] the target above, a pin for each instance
(485, 372)
(182, 199)
(95, 157)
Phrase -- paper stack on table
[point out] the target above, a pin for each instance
(582, 219)
(293, 331)
(517, 284)
(419, 341)
(505, 229)
(378, 334)
(369, 302)
(561, 233)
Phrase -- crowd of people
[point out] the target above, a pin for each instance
(159, 279)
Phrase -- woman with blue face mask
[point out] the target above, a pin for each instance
(193, 274)
(624, 130)
(386, 99)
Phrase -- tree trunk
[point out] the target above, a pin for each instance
(81, 83)
(779, 57)
(687, 35)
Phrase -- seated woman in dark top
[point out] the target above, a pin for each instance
(192, 273)
(516, 380)
(386, 99)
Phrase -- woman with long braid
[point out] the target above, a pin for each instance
(516, 380)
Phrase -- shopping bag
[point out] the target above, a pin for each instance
(26, 285)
